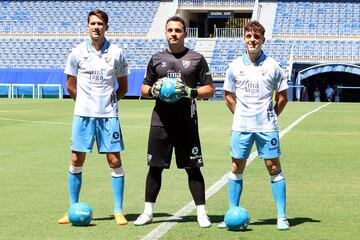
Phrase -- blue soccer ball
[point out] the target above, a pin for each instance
(237, 218)
(168, 91)
(80, 214)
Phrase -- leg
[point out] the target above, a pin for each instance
(241, 144)
(278, 187)
(74, 181)
(235, 182)
(75, 175)
(152, 189)
(197, 189)
(118, 179)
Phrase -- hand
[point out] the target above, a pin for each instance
(181, 89)
(154, 91)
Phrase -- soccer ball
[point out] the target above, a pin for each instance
(80, 214)
(237, 218)
(167, 91)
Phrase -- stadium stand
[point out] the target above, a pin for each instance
(301, 31)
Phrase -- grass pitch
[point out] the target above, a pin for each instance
(319, 158)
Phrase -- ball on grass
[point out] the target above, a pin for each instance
(80, 214)
(237, 218)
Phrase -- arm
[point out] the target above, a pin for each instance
(206, 91)
(123, 87)
(71, 86)
(230, 100)
(281, 101)
(145, 91)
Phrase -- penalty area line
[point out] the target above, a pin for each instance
(163, 228)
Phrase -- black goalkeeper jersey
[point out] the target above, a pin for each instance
(194, 71)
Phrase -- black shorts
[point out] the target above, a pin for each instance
(185, 141)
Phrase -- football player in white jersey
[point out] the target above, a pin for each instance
(93, 68)
(250, 82)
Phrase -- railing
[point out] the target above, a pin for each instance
(215, 2)
(192, 32)
(229, 32)
(80, 32)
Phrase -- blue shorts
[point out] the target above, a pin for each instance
(106, 131)
(267, 144)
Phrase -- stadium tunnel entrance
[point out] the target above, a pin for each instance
(342, 77)
(207, 21)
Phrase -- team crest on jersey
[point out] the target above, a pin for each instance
(163, 64)
(186, 63)
(107, 59)
(263, 71)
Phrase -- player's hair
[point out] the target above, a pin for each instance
(254, 26)
(100, 14)
(177, 19)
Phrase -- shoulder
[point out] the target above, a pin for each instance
(79, 47)
(194, 54)
(237, 62)
(116, 48)
(160, 56)
(78, 50)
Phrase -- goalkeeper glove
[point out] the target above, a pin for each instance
(154, 91)
(184, 91)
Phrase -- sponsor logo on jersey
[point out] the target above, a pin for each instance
(186, 63)
(149, 157)
(171, 74)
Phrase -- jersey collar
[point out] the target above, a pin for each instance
(258, 61)
(104, 48)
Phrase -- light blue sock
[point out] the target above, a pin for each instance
(278, 187)
(118, 188)
(235, 186)
(75, 180)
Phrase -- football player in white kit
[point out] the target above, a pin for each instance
(250, 82)
(93, 68)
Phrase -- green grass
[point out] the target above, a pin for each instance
(319, 158)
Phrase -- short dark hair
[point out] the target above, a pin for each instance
(100, 14)
(177, 19)
(254, 26)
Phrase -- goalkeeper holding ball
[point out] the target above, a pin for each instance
(175, 125)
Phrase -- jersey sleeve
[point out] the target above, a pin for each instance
(204, 77)
(150, 75)
(71, 67)
(229, 82)
(122, 65)
(281, 82)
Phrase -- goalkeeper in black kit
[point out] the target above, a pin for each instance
(175, 125)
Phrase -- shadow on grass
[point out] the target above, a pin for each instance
(215, 219)
(292, 221)
(130, 217)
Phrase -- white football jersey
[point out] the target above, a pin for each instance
(96, 73)
(254, 85)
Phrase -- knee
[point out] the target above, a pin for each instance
(237, 167)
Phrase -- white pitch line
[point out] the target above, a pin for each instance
(163, 228)
(37, 122)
